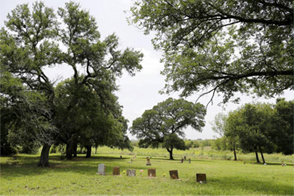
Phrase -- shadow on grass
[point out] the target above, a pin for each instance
(280, 164)
(27, 166)
(267, 187)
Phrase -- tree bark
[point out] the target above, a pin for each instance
(75, 147)
(89, 150)
(263, 160)
(44, 158)
(256, 154)
(235, 154)
(69, 150)
(170, 153)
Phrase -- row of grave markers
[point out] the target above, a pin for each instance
(151, 173)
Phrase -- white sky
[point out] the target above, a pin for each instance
(140, 92)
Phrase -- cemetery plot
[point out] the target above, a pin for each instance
(201, 178)
(148, 161)
(174, 174)
(116, 171)
(151, 172)
(131, 172)
(101, 169)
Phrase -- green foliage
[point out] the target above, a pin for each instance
(282, 134)
(35, 39)
(23, 115)
(165, 122)
(82, 119)
(261, 127)
(221, 144)
(218, 125)
(221, 47)
(173, 141)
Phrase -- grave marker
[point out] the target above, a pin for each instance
(116, 171)
(131, 172)
(148, 161)
(151, 172)
(201, 178)
(174, 174)
(101, 169)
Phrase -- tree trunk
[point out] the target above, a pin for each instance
(89, 150)
(69, 150)
(235, 154)
(256, 154)
(44, 158)
(261, 154)
(75, 148)
(170, 153)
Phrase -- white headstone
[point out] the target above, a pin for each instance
(131, 172)
(101, 169)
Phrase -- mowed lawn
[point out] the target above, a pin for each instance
(79, 176)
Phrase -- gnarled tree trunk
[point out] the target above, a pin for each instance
(256, 154)
(75, 149)
(170, 153)
(89, 150)
(44, 158)
(235, 154)
(69, 149)
(263, 160)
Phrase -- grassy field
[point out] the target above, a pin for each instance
(79, 176)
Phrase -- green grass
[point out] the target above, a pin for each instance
(79, 176)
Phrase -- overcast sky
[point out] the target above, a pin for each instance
(140, 92)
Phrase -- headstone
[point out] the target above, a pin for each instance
(189, 160)
(174, 174)
(116, 171)
(182, 160)
(151, 172)
(201, 178)
(148, 161)
(185, 157)
(101, 169)
(131, 172)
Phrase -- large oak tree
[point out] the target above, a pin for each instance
(165, 124)
(36, 38)
(222, 46)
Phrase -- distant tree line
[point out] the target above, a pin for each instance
(258, 128)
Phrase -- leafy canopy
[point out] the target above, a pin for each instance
(222, 46)
(166, 122)
(37, 38)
